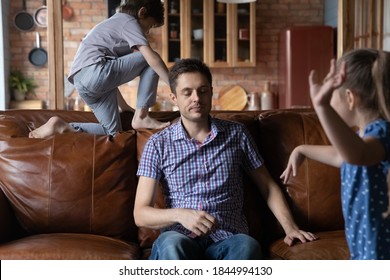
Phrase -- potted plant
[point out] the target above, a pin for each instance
(20, 85)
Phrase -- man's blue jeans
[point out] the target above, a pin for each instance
(171, 245)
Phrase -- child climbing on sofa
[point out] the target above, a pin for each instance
(356, 94)
(113, 53)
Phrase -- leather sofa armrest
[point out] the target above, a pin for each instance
(7, 219)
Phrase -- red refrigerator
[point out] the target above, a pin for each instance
(302, 48)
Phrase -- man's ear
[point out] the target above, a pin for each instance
(351, 99)
(173, 98)
(142, 12)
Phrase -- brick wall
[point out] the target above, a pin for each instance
(272, 16)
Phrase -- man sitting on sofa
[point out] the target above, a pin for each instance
(200, 162)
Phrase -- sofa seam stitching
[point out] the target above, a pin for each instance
(307, 175)
(50, 181)
(93, 184)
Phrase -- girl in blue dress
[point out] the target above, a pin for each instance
(356, 94)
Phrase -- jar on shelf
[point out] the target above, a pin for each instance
(173, 7)
(243, 33)
(253, 101)
(173, 32)
(267, 98)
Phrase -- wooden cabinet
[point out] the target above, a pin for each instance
(221, 35)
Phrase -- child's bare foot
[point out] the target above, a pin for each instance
(148, 122)
(54, 125)
(142, 119)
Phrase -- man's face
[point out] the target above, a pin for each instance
(193, 96)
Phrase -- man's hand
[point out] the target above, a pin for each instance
(300, 235)
(199, 222)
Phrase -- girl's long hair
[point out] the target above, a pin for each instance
(368, 75)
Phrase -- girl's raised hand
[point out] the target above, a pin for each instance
(322, 93)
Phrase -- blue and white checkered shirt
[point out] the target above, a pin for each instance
(205, 176)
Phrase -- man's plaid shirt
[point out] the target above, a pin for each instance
(205, 176)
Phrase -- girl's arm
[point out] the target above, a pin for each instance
(348, 144)
(352, 148)
(325, 154)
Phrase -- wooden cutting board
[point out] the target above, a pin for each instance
(232, 97)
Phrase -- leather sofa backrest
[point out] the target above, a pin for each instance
(314, 194)
(70, 182)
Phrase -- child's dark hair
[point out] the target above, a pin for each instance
(154, 9)
(368, 75)
(187, 65)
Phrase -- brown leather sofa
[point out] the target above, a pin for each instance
(71, 196)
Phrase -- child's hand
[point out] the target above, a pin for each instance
(321, 94)
(295, 160)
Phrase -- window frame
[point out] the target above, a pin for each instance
(360, 24)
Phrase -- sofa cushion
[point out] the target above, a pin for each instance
(331, 245)
(69, 246)
(72, 182)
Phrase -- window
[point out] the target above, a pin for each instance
(363, 23)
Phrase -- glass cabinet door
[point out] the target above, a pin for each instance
(219, 35)
(197, 30)
(172, 49)
(244, 36)
(185, 33)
